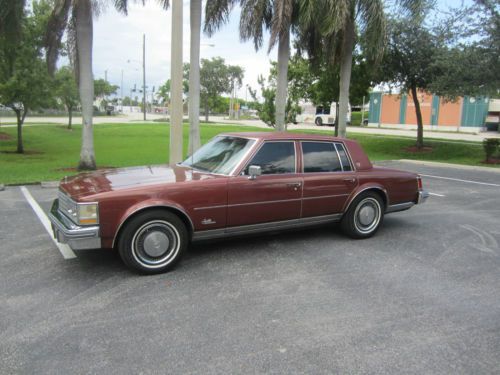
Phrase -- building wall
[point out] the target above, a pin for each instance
(399, 110)
(449, 112)
(390, 109)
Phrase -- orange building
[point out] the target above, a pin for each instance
(391, 110)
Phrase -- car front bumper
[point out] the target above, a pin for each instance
(422, 196)
(77, 237)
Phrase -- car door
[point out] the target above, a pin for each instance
(273, 196)
(328, 178)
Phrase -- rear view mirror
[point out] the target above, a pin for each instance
(254, 171)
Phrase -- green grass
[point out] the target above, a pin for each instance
(51, 148)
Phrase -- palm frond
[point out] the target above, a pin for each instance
(281, 21)
(335, 15)
(11, 15)
(55, 29)
(216, 14)
(373, 25)
(255, 16)
(165, 4)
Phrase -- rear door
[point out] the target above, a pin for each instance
(273, 196)
(328, 178)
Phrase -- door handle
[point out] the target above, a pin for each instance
(351, 180)
(295, 185)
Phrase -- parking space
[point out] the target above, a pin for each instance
(422, 296)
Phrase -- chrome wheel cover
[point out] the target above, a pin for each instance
(367, 215)
(155, 244)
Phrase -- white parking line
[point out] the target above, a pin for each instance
(65, 250)
(459, 180)
(437, 195)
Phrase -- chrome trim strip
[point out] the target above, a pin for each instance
(399, 207)
(264, 227)
(264, 202)
(209, 207)
(325, 196)
(338, 156)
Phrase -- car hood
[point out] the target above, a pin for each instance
(85, 184)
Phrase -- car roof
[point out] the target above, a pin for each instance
(284, 136)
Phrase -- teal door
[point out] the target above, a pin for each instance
(375, 106)
(402, 109)
(435, 110)
(474, 111)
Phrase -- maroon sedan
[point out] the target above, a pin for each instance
(236, 184)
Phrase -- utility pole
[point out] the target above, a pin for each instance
(144, 75)
(176, 105)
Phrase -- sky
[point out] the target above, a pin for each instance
(118, 46)
(118, 39)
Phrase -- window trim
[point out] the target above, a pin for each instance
(335, 145)
(295, 150)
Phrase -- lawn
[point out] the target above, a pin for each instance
(51, 150)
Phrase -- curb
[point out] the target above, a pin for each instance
(450, 165)
(49, 184)
(2, 187)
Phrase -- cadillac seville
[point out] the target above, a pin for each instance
(236, 184)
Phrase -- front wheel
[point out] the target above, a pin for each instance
(153, 242)
(364, 216)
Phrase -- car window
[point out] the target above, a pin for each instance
(275, 158)
(346, 166)
(320, 157)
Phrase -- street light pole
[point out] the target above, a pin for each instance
(144, 75)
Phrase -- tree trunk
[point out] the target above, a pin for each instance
(194, 77)
(345, 76)
(418, 113)
(206, 108)
(282, 83)
(70, 116)
(20, 115)
(84, 31)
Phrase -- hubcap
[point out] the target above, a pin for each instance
(155, 244)
(367, 215)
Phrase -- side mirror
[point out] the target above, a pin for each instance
(254, 171)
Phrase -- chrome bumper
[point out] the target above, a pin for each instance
(77, 237)
(422, 196)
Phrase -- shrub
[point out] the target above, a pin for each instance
(490, 146)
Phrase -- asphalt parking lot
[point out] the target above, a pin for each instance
(421, 297)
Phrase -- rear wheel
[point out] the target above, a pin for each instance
(153, 242)
(364, 216)
(318, 121)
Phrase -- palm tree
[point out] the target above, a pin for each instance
(76, 16)
(194, 77)
(278, 16)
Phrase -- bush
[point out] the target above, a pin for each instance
(490, 146)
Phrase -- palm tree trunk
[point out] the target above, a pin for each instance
(345, 76)
(418, 113)
(282, 83)
(194, 77)
(84, 31)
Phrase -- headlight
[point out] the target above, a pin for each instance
(88, 213)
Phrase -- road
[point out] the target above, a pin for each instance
(421, 297)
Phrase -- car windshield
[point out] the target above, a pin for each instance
(220, 155)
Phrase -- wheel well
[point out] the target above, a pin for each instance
(180, 214)
(376, 190)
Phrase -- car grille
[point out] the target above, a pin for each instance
(68, 206)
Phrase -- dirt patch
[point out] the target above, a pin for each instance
(491, 161)
(415, 150)
(5, 137)
(75, 169)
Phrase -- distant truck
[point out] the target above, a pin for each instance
(492, 121)
(320, 115)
